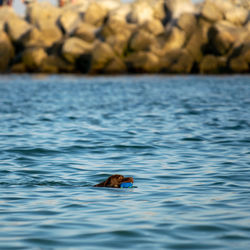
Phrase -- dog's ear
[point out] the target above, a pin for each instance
(114, 181)
(120, 178)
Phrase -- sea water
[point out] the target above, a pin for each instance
(184, 139)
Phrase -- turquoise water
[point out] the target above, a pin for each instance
(185, 140)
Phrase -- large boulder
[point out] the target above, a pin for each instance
(177, 7)
(177, 61)
(17, 28)
(54, 64)
(223, 5)
(188, 23)
(102, 55)
(228, 6)
(115, 26)
(198, 43)
(42, 11)
(6, 51)
(211, 12)
(198, 40)
(33, 38)
(18, 68)
(44, 16)
(234, 11)
(33, 57)
(2, 26)
(51, 35)
(183, 64)
(115, 66)
(247, 26)
(74, 47)
(174, 40)
(95, 14)
(154, 27)
(121, 13)
(143, 62)
(223, 36)
(119, 44)
(239, 65)
(86, 32)
(69, 21)
(41, 38)
(240, 60)
(141, 40)
(141, 12)
(76, 6)
(242, 3)
(195, 45)
(245, 52)
(6, 13)
(211, 64)
(159, 10)
(237, 15)
(49, 65)
(44, 37)
(109, 4)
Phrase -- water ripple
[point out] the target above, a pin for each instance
(185, 140)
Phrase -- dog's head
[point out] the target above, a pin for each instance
(128, 179)
(115, 181)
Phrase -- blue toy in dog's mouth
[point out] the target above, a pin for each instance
(126, 185)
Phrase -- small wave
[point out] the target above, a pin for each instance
(44, 119)
(33, 183)
(207, 228)
(246, 140)
(224, 141)
(4, 171)
(197, 138)
(121, 146)
(233, 127)
(31, 172)
(74, 206)
(218, 183)
(74, 148)
(41, 241)
(126, 233)
(234, 237)
(32, 151)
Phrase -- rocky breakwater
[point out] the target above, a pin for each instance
(110, 37)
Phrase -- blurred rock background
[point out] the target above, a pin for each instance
(113, 37)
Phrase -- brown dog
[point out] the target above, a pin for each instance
(115, 181)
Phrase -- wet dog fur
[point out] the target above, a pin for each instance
(114, 181)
